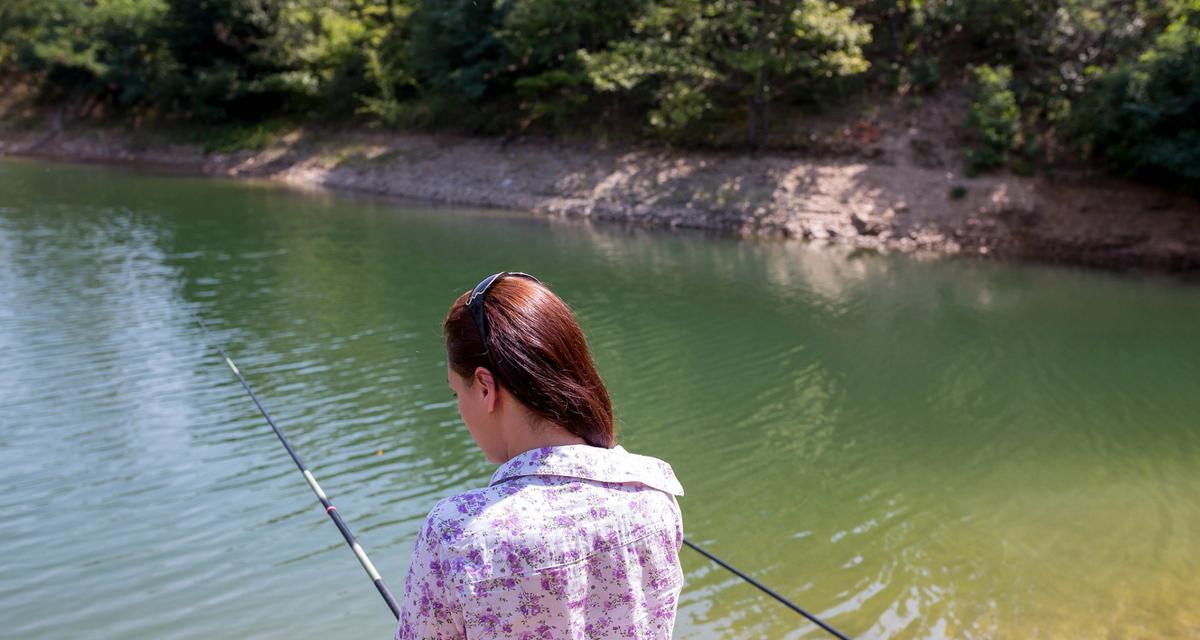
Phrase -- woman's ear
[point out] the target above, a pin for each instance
(487, 386)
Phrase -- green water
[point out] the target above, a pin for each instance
(937, 449)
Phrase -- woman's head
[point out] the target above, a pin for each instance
(536, 352)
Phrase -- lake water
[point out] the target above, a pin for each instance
(913, 449)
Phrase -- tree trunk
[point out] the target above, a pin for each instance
(751, 122)
(756, 102)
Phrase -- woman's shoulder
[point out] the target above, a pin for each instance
(453, 517)
(461, 506)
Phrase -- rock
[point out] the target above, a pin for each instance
(865, 226)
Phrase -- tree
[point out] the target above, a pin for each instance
(237, 57)
(994, 116)
(545, 38)
(691, 58)
(1143, 116)
(455, 51)
(104, 51)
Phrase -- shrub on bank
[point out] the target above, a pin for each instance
(994, 117)
(1143, 117)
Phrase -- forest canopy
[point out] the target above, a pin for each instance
(1114, 81)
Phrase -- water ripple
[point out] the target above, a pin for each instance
(915, 450)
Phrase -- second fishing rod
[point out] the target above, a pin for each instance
(380, 585)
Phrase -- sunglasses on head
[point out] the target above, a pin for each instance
(479, 294)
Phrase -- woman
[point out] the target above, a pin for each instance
(573, 537)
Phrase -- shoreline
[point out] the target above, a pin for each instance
(897, 200)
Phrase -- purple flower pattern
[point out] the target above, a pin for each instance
(564, 542)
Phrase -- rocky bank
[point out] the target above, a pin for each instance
(902, 193)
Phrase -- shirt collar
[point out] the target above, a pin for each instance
(591, 463)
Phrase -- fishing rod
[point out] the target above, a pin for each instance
(788, 603)
(330, 510)
(370, 568)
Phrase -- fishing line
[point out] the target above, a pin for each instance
(384, 591)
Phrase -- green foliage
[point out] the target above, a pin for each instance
(519, 56)
(1143, 117)
(236, 58)
(994, 117)
(455, 49)
(1052, 47)
(384, 105)
(553, 95)
(209, 60)
(105, 49)
(545, 34)
(692, 59)
(332, 43)
(922, 75)
(1111, 79)
(547, 39)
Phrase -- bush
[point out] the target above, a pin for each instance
(1143, 117)
(552, 96)
(108, 52)
(454, 49)
(237, 58)
(922, 75)
(522, 58)
(689, 61)
(382, 104)
(546, 39)
(994, 118)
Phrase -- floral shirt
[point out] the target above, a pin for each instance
(565, 542)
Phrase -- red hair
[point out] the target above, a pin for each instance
(537, 352)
